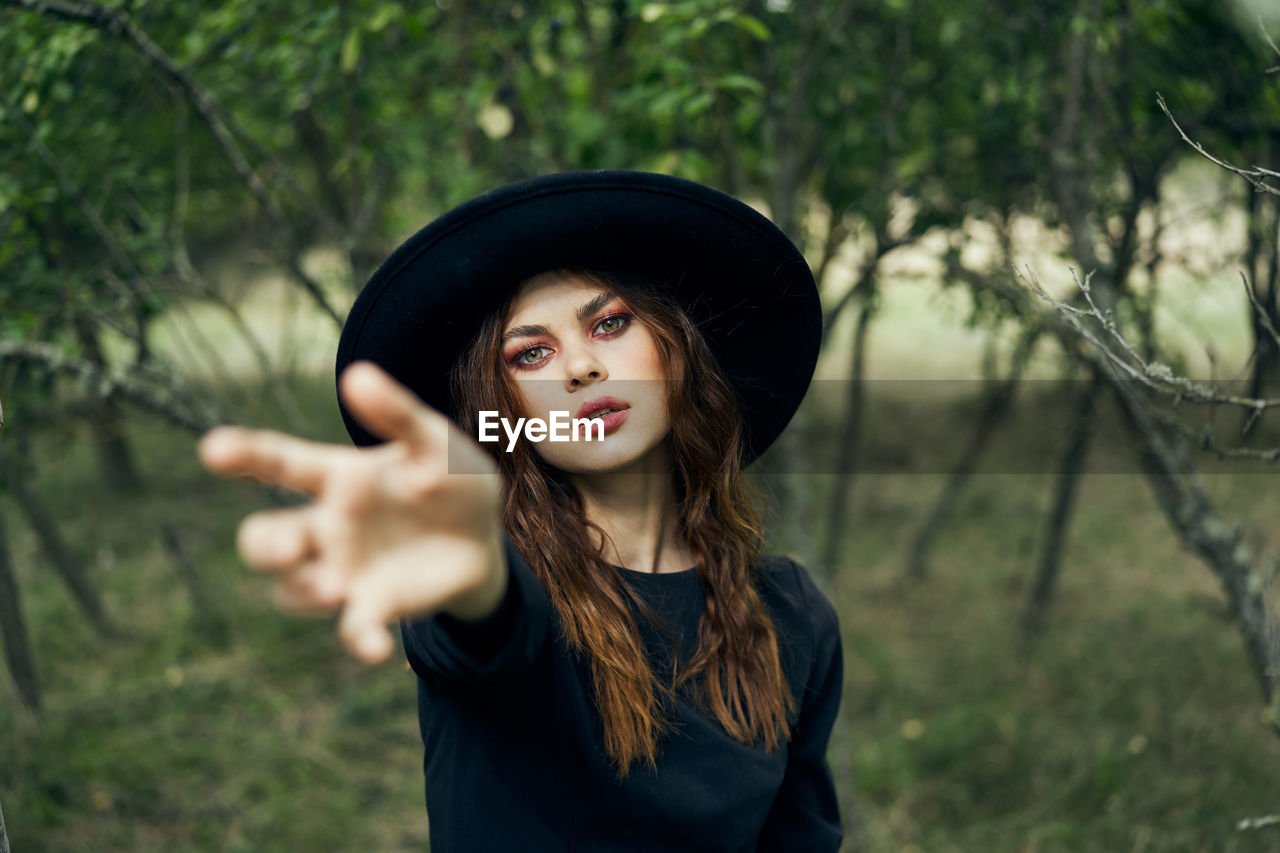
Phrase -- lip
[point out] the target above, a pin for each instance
(611, 421)
(601, 403)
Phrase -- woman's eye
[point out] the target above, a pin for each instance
(532, 355)
(612, 324)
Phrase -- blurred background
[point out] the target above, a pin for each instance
(1045, 512)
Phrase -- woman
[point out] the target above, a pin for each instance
(605, 659)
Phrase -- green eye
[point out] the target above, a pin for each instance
(612, 324)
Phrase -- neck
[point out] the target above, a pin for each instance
(636, 508)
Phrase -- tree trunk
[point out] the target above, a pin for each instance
(69, 568)
(849, 443)
(17, 645)
(1264, 250)
(1246, 580)
(4, 839)
(836, 234)
(1147, 316)
(115, 456)
(788, 501)
(994, 411)
(1073, 459)
(209, 619)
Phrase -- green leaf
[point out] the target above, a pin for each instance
(698, 104)
(350, 51)
(652, 12)
(386, 13)
(665, 104)
(751, 25)
(740, 83)
(544, 63)
(949, 32)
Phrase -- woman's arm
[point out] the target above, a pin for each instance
(394, 531)
(502, 641)
(806, 814)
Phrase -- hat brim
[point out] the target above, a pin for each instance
(742, 281)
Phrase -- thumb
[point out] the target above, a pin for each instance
(363, 628)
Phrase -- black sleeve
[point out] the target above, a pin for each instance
(805, 815)
(446, 647)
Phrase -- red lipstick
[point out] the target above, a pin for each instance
(618, 411)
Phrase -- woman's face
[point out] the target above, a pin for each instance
(568, 342)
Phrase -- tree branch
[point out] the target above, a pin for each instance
(1266, 35)
(1256, 176)
(118, 23)
(108, 383)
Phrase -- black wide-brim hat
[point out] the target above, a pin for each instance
(743, 282)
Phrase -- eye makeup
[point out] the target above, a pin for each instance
(619, 319)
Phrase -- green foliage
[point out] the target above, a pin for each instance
(363, 119)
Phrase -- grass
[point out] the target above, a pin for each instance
(165, 740)
(1136, 715)
(1133, 725)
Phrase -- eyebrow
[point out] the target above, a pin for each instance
(583, 313)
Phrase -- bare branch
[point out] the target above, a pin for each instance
(1248, 823)
(1165, 451)
(1072, 315)
(1255, 176)
(1153, 375)
(884, 245)
(1263, 29)
(1266, 35)
(194, 280)
(1258, 309)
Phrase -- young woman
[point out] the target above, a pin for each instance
(605, 659)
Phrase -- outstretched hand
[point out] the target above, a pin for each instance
(390, 533)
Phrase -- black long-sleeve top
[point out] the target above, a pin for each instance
(514, 759)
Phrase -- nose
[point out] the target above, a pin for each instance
(583, 367)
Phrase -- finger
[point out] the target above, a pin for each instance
(390, 410)
(376, 598)
(279, 539)
(317, 587)
(299, 597)
(274, 457)
(363, 625)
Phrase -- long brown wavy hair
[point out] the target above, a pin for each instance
(735, 673)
